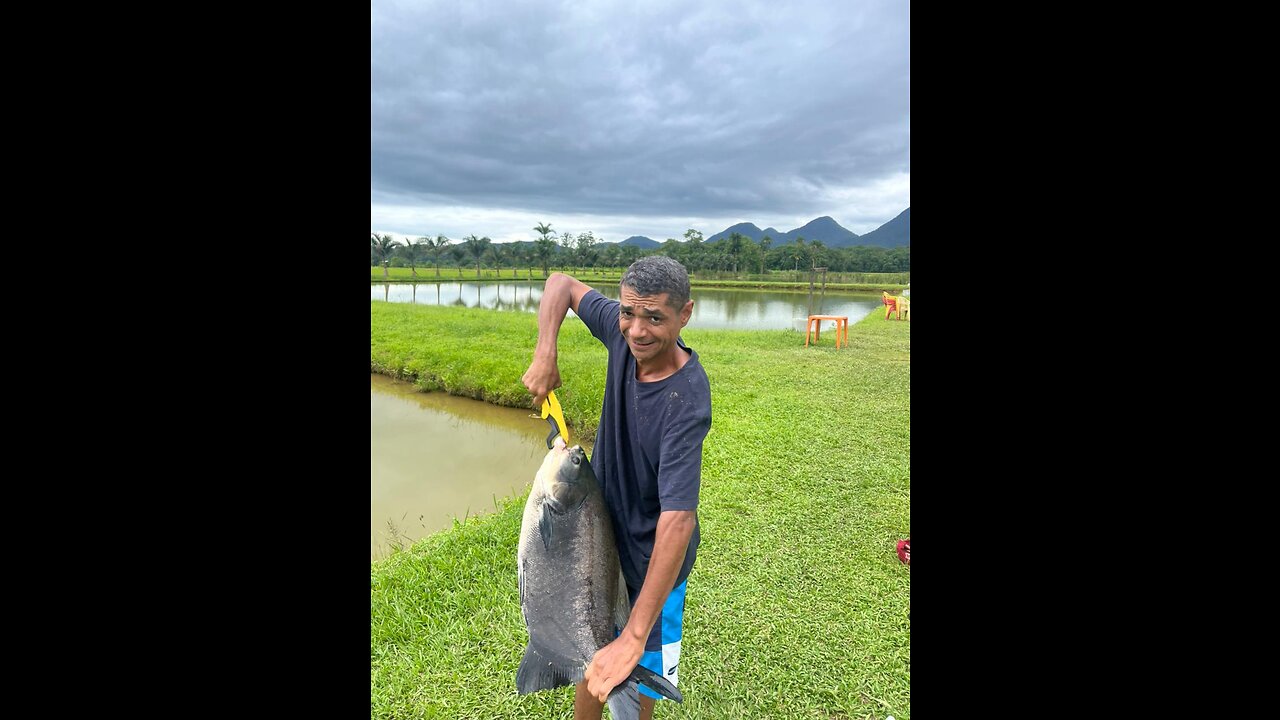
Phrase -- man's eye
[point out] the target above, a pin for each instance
(655, 320)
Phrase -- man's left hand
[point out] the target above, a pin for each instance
(611, 665)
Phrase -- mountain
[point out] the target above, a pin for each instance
(824, 228)
(641, 242)
(895, 233)
(830, 232)
(747, 229)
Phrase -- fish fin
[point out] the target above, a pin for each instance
(520, 582)
(544, 525)
(656, 683)
(621, 604)
(540, 671)
(624, 702)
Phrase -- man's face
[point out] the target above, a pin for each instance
(649, 324)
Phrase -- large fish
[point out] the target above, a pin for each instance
(571, 589)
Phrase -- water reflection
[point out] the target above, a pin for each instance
(740, 309)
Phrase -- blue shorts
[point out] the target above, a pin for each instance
(662, 648)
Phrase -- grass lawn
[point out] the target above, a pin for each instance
(797, 606)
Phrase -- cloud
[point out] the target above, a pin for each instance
(637, 118)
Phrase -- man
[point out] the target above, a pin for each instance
(647, 456)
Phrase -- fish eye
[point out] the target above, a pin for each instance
(575, 459)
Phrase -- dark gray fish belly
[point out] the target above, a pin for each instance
(569, 592)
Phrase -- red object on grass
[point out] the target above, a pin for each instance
(904, 551)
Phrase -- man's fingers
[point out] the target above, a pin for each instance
(597, 686)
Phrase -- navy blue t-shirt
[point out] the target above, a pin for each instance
(648, 452)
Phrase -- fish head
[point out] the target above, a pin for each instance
(565, 477)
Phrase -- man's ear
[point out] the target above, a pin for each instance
(686, 313)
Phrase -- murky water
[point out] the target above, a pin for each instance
(434, 457)
(739, 309)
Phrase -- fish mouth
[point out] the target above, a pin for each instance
(559, 447)
(573, 462)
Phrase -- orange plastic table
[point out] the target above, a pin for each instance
(814, 327)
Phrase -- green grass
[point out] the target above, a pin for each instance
(797, 607)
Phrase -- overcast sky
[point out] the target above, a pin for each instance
(641, 117)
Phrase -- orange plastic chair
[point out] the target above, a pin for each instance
(898, 304)
(890, 305)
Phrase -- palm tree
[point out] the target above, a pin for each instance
(383, 246)
(515, 254)
(502, 252)
(412, 250)
(798, 252)
(543, 249)
(765, 242)
(544, 230)
(545, 246)
(459, 254)
(736, 241)
(436, 247)
(493, 258)
(818, 253)
(476, 246)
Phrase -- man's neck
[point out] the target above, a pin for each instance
(662, 368)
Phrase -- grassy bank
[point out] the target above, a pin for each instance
(797, 607)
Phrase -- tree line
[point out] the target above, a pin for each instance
(734, 254)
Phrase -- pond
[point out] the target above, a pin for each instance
(713, 308)
(434, 457)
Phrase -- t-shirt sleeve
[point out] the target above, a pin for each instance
(680, 469)
(599, 314)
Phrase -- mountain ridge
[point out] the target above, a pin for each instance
(895, 233)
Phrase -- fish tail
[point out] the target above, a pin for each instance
(624, 702)
(656, 683)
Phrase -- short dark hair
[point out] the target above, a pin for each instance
(658, 274)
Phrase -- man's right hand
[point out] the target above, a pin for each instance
(541, 378)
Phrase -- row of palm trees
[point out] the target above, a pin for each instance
(384, 247)
(581, 248)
